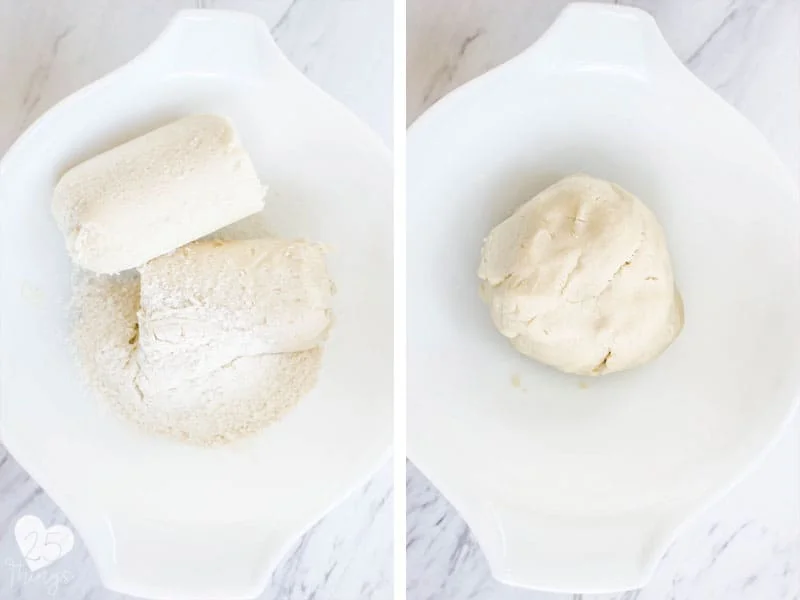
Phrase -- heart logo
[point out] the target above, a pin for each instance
(42, 546)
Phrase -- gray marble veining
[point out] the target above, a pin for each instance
(50, 49)
(746, 547)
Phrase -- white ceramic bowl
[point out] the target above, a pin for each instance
(161, 519)
(579, 485)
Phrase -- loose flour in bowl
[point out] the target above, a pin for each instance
(237, 399)
(210, 302)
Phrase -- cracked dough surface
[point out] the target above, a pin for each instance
(580, 278)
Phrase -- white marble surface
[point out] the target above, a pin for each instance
(747, 547)
(50, 48)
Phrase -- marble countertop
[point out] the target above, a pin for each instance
(50, 49)
(747, 547)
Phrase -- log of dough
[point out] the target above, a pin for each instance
(212, 302)
(156, 193)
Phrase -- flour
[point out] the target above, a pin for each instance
(234, 400)
(209, 302)
(105, 332)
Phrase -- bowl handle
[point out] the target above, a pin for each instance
(605, 36)
(564, 555)
(184, 561)
(225, 41)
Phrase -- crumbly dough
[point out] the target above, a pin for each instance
(219, 406)
(155, 193)
(580, 278)
(213, 302)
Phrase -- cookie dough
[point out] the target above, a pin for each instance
(155, 193)
(580, 278)
(213, 302)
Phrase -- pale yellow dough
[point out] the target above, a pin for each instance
(156, 193)
(210, 303)
(580, 278)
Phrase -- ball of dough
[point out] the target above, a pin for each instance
(580, 278)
